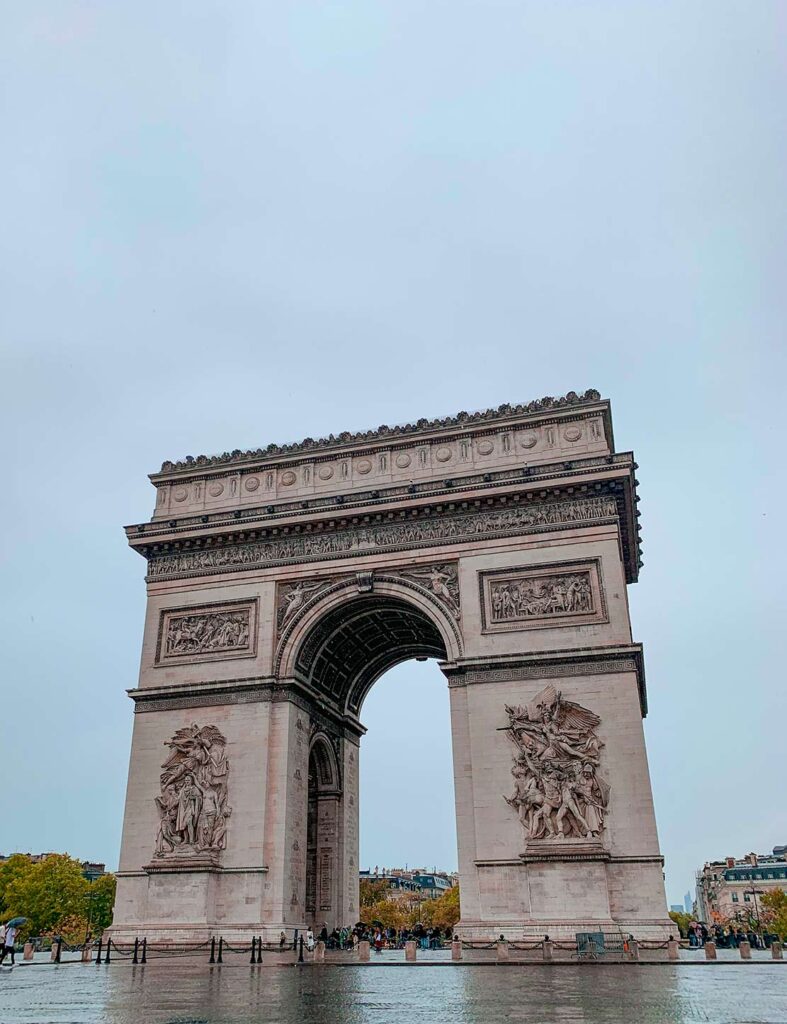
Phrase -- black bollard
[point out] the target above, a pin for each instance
(144, 951)
(98, 955)
(212, 950)
(59, 949)
(135, 958)
(259, 950)
(109, 947)
(300, 950)
(253, 959)
(295, 941)
(221, 947)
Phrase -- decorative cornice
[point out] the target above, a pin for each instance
(461, 419)
(555, 664)
(251, 690)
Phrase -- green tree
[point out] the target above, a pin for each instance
(99, 902)
(17, 866)
(774, 905)
(49, 891)
(682, 921)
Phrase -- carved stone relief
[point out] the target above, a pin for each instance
(293, 596)
(192, 805)
(558, 793)
(442, 581)
(362, 540)
(207, 633)
(542, 596)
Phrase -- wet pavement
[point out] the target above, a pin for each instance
(193, 993)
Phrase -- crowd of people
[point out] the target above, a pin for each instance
(728, 938)
(378, 937)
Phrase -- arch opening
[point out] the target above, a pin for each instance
(356, 642)
(323, 832)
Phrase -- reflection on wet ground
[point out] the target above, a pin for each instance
(196, 994)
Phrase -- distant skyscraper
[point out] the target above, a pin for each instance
(688, 903)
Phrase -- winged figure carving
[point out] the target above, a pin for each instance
(557, 791)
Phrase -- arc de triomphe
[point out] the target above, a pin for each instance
(283, 582)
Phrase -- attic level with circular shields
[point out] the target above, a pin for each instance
(283, 582)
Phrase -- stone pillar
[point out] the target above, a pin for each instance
(87, 953)
(710, 950)
(363, 951)
(456, 950)
(672, 949)
(502, 949)
(548, 950)
(633, 948)
(776, 950)
(28, 953)
(409, 950)
(319, 953)
(745, 950)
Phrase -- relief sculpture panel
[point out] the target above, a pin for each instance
(207, 633)
(558, 793)
(192, 805)
(542, 596)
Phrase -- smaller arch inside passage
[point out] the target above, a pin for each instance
(354, 644)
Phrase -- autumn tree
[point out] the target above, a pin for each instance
(442, 912)
(774, 904)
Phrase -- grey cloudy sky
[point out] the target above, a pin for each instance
(230, 224)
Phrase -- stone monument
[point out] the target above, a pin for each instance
(283, 582)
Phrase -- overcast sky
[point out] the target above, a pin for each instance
(230, 224)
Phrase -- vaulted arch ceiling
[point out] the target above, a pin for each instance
(353, 645)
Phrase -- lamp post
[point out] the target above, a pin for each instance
(753, 892)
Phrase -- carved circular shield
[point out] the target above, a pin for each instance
(180, 494)
(216, 489)
(573, 434)
(485, 447)
(251, 483)
(443, 454)
(403, 460)
(363, 466)
(325, 472)
(529, 440)
(288, 478)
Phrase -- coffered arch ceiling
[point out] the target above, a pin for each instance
(354, 644)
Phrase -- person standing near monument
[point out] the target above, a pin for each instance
(8, 943)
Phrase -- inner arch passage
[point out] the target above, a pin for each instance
(355, 643)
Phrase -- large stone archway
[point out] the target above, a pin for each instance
(282, 583)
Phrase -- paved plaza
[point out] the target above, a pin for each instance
(720, 993)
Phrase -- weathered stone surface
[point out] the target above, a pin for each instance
(281, 585)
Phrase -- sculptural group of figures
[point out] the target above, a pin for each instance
(557, 791)
(217, 631)
(550, 595)
(192, 807)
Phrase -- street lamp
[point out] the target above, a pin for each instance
(753, 892)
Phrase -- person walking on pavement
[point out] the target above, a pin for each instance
(8, 943)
